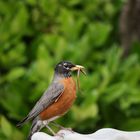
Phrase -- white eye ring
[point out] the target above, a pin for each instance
(65, 64)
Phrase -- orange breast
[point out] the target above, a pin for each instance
(65, 101)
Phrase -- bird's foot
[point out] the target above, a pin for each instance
(60, 135)
(68, 129)
(46, 125)
(63, 128)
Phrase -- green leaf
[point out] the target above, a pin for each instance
(15, 73)
(99, 32)
(5, 127)
(114, 92)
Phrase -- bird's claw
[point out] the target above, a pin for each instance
(68, 129)
(60, 135)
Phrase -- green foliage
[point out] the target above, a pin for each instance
(35, 35)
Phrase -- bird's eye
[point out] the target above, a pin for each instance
(65, 65)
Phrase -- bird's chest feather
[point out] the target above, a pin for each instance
(69, 93)
(63, 102)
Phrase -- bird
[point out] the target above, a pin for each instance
(56, 100)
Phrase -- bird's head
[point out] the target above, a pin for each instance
(65, 68)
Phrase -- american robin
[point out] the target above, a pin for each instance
(56, 100)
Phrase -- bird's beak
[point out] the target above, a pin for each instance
(78, 67)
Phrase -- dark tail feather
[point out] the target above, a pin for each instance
(22, 122)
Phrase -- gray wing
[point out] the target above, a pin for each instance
(50, 96)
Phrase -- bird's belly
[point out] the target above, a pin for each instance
(62, 105)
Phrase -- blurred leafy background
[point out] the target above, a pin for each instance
(35, 35)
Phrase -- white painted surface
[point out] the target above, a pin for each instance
(102, 134)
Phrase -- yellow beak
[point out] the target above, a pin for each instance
(78, 67)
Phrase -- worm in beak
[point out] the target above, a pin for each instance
(79, 69)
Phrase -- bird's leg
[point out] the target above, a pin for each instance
(55, 134)
(36, 126)
(61, 127)
(46, 124)
(39, 125)
(51, 130)
(57, 125)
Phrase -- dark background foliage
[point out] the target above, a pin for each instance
(35, 35)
